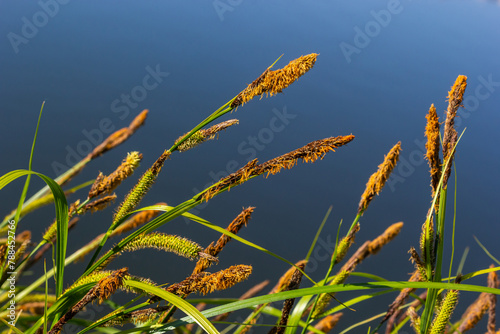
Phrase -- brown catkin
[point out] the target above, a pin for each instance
(213, 250)
(377, 180)
(274, 82)
(106, 184)
(450, 136)
(308, 153)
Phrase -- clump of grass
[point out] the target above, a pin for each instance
(153, 305)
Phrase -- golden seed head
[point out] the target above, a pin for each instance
(273, 82)
(206, 283)
(109, 284)
(224, 279)
(309, 153)
(432, 147)
(378, 179)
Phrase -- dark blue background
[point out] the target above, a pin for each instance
(85, 54)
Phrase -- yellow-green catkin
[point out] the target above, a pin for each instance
(325, 298)
(203, 135)
(427, 240)
(138, 192)
(50, 232)
(168, 243)
(447, 307)
(345, 244)
(377, 180)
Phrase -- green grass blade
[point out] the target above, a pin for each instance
(30, 164)
(248, 303)
(177, 302)
(318, 233)
(12, 328)
(486, 251)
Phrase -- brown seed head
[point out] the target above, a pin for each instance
(492, 300)
(99, 204)
(273, 82)
(106, 184)
(390, 233)
(309, 153)
(327, 323)
(109, 284)
(432, 147)
(450, 135)
(213, 250)
(206, 283)
(285, 279)
(378, 179)
(138, 121)
(118, 137)
(203, 135)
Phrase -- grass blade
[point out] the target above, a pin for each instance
(177, 302)
(61, 207)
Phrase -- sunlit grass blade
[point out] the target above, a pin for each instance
(178, 302)
(486, 251)
(434, 274)
(248, 303)
(61, 207)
